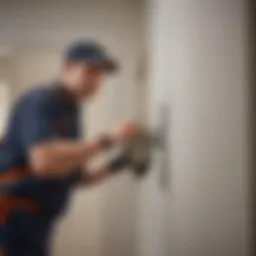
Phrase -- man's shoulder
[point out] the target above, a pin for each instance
(38, 95)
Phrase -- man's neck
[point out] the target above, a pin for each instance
(66, 90)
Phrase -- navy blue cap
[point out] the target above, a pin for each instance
(90, 52)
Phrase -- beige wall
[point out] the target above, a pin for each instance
(102, 220)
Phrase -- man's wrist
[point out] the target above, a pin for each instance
(106, 141)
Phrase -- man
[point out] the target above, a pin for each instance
(42, 154)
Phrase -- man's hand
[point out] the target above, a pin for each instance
(126, 132)
(113, 166)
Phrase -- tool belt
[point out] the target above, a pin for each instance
(8, 202)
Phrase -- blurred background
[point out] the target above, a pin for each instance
(187, 67)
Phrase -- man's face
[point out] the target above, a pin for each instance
(84, 79)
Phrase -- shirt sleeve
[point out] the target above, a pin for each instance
(38, 121)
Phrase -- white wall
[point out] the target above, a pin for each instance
(199, 59)
(102, 220)
(5, 96)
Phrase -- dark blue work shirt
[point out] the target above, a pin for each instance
(42, 114)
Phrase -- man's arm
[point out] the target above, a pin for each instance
(47, 153)
(99, 174)
(59, 157)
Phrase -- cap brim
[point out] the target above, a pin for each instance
(110, 65)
